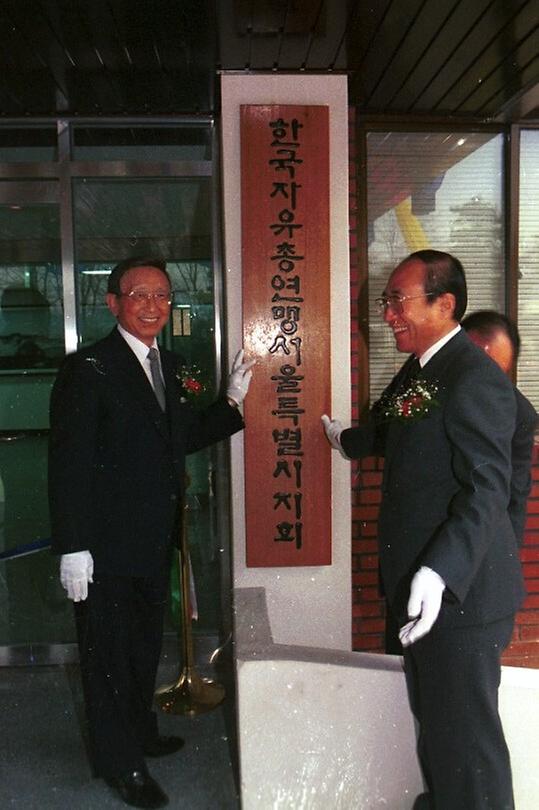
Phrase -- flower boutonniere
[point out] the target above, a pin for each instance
(413, 403)
(192, 382)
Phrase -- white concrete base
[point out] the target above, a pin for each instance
(322, 729)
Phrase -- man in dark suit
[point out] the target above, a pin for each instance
(120, 430)
(498, 336)
(448, 553)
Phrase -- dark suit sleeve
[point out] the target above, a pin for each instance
(361, 441)
(369, 438)
(479, 423)
(72, 447)
(212, 424)
(521, 449)
(197, 427)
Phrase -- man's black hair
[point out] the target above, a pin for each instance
(444, 274)
(487, 323)
(125, 265)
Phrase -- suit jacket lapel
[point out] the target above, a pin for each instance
(169, 365)
(433, 372)
(134, 379)
(435, 367)
(397, 382)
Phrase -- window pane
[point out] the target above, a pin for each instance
(33, 607)
(433, 190)
(115, 219)
(142, 143)
(528, 285)
(27, 145)
(31, 312)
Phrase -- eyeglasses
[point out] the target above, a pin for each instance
(141, 296)
(395, 302)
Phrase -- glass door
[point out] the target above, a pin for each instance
(32, 604)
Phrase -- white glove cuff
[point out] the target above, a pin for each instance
(429, 572)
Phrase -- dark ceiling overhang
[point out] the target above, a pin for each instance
(463, 58)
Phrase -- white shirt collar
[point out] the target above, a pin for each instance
(431, 351)
(137, 346)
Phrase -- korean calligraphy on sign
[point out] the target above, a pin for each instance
(286, 312)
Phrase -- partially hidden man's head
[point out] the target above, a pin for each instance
(424, 299)
(496, 334)
(139, 295)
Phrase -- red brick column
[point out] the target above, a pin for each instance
(524, 648)
(367, 607)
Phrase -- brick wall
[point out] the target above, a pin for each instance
(524, 648)
(368, 617)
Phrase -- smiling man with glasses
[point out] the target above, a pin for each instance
(448, 554)
(396, 302)
(120, 430)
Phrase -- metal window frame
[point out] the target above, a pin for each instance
(510, 196)
(65, 170)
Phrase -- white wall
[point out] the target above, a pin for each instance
(309, 605)
(330, 730)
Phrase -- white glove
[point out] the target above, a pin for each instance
(333, 429)
(239, 379)
(424, 605)
(76, 571)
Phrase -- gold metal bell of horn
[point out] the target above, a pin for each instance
(191, 694)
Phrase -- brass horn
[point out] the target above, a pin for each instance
(191, 694)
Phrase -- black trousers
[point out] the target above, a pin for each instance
(453, 676)
(120, 628)
(392, 645)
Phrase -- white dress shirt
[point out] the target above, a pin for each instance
(141, 350)
(431, 351)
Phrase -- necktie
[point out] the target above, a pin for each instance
(411, 373)
(414, 368)
(158, 387)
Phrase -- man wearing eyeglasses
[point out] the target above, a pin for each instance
(448, 555)
(120, 430)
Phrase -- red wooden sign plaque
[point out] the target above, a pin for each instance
(286, 321)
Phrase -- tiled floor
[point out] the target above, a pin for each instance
(43, 762)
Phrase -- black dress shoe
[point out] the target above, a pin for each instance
(138, 789)
(161, 746)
